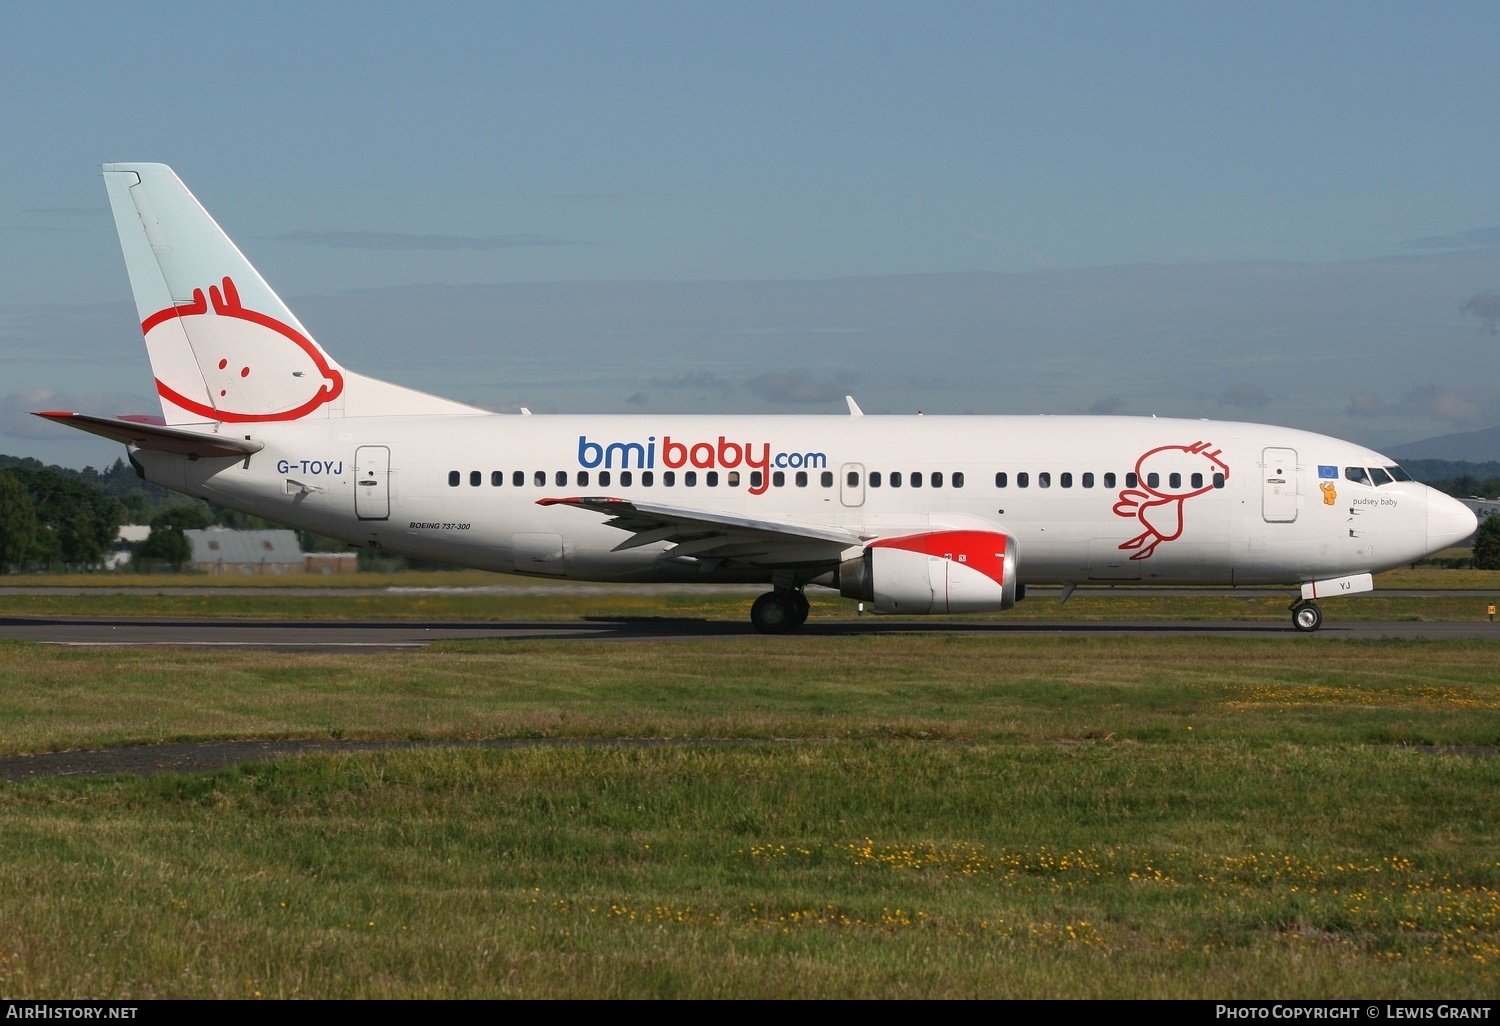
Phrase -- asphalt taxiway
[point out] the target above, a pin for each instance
(354, 635)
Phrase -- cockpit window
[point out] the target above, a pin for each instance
(1398, 474)
(1379, 476)
(1357, 475)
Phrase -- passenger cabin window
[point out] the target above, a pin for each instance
(1002, 479)
(648, 478)
(895, 479)
(1023, 480)
(604, 478)
(1218, 480)
(1174, 480)
(1131, 480)
(1153, 480)
(518, 478)
(937, 479)
(1044, 479)
(497, 478)
(453, 479)
(874, 479)
(756, 478)
(732, 479)
(690, 478)
(1088, 480)
(475, 478)
(626, 477)
(668, 478)
(711, 479)
(852, 478)
(1065, 479)
(561, 477)
(1357, 475)
(801, 479)
(958, 479)
(826, 479)
(583, 478)
(1109, 480)
(539, 479)
(916, 479)
(1197, 480)
(778, 478)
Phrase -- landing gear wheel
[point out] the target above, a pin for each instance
(800, 608)
(774, 613)
(1306, 617)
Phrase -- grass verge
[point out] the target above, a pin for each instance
(946, 816)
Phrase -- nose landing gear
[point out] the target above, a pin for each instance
(1306, 616)
(780, 611)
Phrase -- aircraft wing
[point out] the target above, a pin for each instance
(157, 437)
(709, 534)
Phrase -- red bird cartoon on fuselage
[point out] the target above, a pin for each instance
(1157, 499)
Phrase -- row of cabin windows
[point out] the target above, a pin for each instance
(646, 478)
(894, 479)
(914, 479)
(1065, 480)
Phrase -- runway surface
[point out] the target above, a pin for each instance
(336, 635)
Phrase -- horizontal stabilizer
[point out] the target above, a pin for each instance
(157, 437)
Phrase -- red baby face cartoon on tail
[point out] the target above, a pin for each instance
(1166, 477)
(253, 366)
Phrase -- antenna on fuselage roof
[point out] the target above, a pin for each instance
(854, 410)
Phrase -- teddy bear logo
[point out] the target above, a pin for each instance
(1330, 493)
(1163, 485)
(253, 366)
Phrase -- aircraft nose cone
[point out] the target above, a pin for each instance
(1448, 521)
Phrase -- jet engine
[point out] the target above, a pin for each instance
(937, 572)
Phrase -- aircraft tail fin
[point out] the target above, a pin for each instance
(223, 346)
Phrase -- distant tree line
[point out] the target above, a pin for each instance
(52, 522)
(57, 518)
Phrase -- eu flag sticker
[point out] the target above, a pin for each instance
(1332, 472)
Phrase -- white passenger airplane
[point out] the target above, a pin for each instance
(912, 514)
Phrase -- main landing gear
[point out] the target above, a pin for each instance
(1306, 616)
(780, 611)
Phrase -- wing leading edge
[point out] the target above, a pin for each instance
(706, 534)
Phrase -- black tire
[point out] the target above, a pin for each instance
(800, 608)
(772, 614)
(1306, 617)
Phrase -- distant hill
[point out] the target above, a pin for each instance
(1469, 446)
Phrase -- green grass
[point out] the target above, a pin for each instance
(1015, 689)
(905, 817)
(846, 870)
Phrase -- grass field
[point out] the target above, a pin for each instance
(891, 816)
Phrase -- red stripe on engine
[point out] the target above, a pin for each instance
(983, 551)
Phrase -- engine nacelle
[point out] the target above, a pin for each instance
(938, 572)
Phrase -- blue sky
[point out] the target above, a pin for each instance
(1313, 188)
